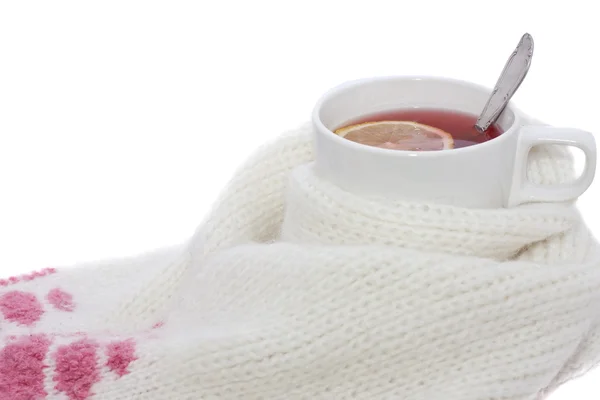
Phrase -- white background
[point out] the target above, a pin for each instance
(120, 121)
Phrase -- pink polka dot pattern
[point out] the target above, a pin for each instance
(61, 300)
(21, 307)
(77, 369)
(27, 277)
(22, 368)
(120, 355)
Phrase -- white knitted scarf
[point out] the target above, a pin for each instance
(295, 289)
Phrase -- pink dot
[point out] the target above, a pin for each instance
(77, 369)
(22, 368)
(61, 300)
(120, 355)
(21, 307)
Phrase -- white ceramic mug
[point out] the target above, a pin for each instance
(486, 175)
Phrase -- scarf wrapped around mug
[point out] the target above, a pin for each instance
(295, 289)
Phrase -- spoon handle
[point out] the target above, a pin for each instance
(512, 75)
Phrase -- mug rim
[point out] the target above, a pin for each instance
(321, 128)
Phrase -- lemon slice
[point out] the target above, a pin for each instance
(398, 135)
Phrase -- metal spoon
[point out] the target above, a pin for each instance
(511, 77)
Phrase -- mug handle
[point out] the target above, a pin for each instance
(523, 191)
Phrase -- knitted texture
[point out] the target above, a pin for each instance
(295, 289)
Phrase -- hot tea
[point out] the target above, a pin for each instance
(417, 129)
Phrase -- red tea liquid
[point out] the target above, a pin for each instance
(459, 125)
